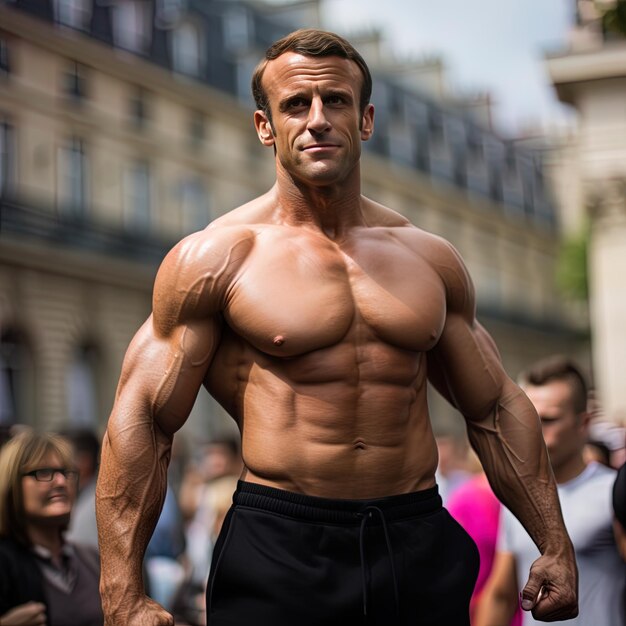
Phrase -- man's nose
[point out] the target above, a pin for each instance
(317, 122)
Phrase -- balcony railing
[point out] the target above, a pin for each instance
(26, 221)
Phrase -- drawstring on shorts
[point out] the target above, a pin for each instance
(365, 515)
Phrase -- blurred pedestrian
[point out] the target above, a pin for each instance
(558, 390)
(221, 456)
(44, 579)
(220, 459)
(474, 505)
(83, 527)
(619, 510)
(454, 468)
(217, 500)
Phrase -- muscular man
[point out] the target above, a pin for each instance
(315, 316)
(558, 391)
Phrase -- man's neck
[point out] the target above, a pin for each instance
(570, 469)
(332, 209)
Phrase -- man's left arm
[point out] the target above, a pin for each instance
(504, 430)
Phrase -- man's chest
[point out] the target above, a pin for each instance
(301, 294)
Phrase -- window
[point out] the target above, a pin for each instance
(168, 10)
(72, 178)
(7, 160)
(475, 146)
(137, 196)
(16, 380)
(132, 25)
(197, 129)
(495, 183)
(81, 386)
(75, 81)
(139, 108)
(73, 13)
(4, 56)
(195, 206)
(236, 29)
(435, 127)
(186, 50)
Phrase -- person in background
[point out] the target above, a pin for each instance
(454, 468)
(221, 456)
(619, 511)
(474, 505)
(83, 527)
(216, 501)
(597, 451)
(44, 579)
(219, 464)
(558, 390)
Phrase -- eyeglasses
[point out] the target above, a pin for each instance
(46, 474)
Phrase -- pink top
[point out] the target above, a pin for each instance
(476, 508)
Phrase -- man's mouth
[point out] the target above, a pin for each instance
(315, 147)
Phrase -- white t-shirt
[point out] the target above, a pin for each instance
(588, 515)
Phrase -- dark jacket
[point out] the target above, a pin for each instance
(20, 577)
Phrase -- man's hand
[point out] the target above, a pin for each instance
(552, 588)
(29, 614)
(143, 613)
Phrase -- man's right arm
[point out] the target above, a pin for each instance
(162, 372)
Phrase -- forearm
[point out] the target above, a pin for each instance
(497, 612)
(130, 494)
(510, 446)
(494, 610)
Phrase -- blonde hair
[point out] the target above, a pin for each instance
(22, 454)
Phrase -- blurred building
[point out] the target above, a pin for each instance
(125, 125)
(591, 76)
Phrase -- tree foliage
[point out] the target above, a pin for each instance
(572, 275)
(614, 18)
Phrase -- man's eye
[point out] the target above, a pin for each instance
(295, 103)
(334, 100)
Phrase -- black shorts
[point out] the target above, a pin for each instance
(285, 559)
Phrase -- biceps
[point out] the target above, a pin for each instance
(162, 375)
(465, 366)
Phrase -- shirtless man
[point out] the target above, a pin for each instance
(315, 316)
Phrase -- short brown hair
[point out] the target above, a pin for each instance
(561, 368)
(314, 43)
(19, 455)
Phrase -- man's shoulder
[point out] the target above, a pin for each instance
(380, 216)
(206, 249)
(595, 476)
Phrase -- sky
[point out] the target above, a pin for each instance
(496, 46)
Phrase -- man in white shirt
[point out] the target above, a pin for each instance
(558, 391)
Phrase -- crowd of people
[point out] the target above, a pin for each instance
(49, 564)
(49, 561)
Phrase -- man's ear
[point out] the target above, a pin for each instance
(367, 122)
(263, 128)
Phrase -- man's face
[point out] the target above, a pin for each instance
(564, 430)
(317, 126)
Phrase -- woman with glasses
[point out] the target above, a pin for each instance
(44, 580)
